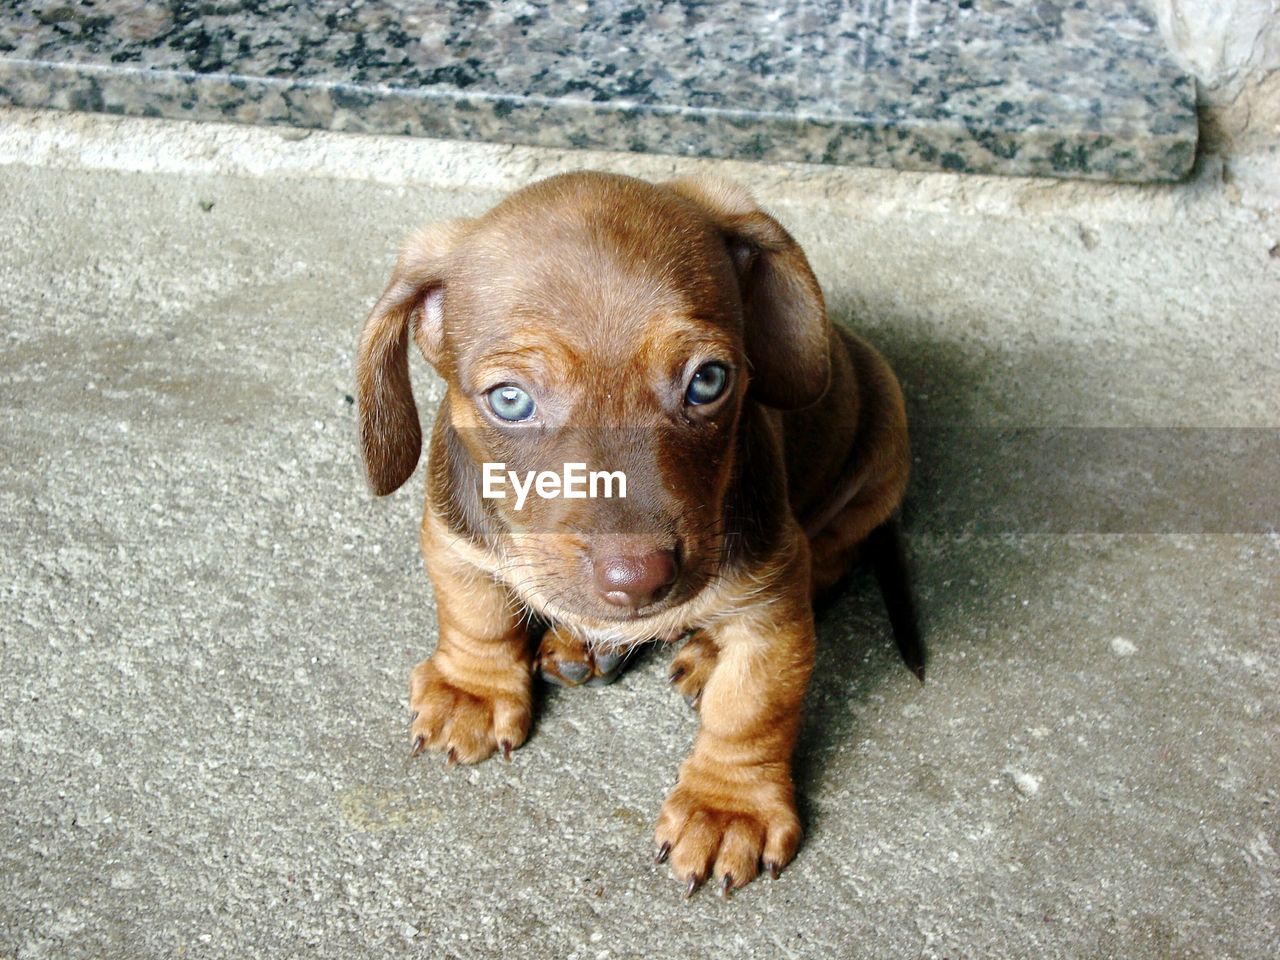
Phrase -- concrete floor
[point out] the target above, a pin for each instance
(208, 623)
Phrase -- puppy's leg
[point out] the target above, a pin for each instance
(873, 491)
(691, 668)
(473, 696)
(837, 547)
(567, 660)
(734, 804)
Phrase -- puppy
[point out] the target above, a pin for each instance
(674, 334)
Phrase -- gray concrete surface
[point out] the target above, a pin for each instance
(1013, 87)
(207, 622)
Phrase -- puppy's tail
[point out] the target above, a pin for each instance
(885, 550)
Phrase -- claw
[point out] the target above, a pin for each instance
(573, 672)
(772, 867)
(414, 717)
(506, 750)
(451, 758)
(676, 674)
(606, 663)
(418, 743)
(691, 886)
(663, 851)
(726, 886)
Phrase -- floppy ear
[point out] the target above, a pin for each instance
(787, 333)
(412, 305)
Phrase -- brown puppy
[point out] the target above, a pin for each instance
(674, 333)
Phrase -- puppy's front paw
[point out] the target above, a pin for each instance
(725, 823)
(469, 718)
(567, 661)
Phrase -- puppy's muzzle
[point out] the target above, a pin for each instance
(635, 575)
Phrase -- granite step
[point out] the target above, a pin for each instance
(1038, 87)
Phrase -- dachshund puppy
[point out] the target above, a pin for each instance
(673, 335)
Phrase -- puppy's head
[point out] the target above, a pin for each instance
(606, 322)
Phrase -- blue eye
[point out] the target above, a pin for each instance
(510, 403)
(707, 384)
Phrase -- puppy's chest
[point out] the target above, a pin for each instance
(609, 639)
(703, 611)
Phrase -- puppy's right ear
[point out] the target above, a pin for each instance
(785, 327)
(412, 305)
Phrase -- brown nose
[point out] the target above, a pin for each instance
(633, 581)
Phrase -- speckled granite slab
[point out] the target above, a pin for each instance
(1073, 88)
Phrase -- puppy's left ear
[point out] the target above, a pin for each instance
(411, 306)
(787, 333)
